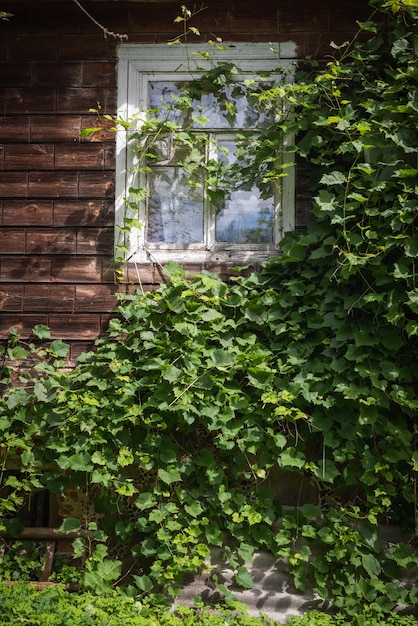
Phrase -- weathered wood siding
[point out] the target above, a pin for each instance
(56, 191)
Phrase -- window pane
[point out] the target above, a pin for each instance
(162, 96)
(175, 210)
(235, 110)
(245, 216)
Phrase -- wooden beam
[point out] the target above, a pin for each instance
(43, 533)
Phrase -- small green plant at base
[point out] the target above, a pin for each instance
(55, 607)
(316, 618)
(66, 572)
(21, 560)
(24, 561)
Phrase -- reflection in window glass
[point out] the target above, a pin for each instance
(245, 217)
(175, 211)
(235, 111)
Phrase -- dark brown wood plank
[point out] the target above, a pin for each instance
(23, 323)
(147, 272)
(99, 74)
(28, 157)
(84, 212)
(49, 560)
(77, 326)
(15, 74)
(76, 269)
(51, 241)
(27, 213)
(83, 47)
(95, 297)
(14, 129)
(80, 100)
(94, 240)
(50, 297)
(23, 47)
(12, 241)
(54, 128)
(105, 132)
(53, 185)
(42, 533)
(85, 156)
(13, 184)
(59, 74)
(30, 101)
(11, 297)
(23, 269)
(77, 348)
(96, 184)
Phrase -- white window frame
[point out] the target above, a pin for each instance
(139, 63)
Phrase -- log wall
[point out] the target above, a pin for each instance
(57, 191)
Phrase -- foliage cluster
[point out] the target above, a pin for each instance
(316, 618)
(201, 390)
(21, 560)
(24, 561)
(55, 607)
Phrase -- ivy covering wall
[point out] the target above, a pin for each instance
(203, 389)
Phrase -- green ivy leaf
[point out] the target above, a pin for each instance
(18, 353)
(310, 511)
(291, 457)
(143, 583)
(194, 509)
(259, 377)
(40, 391)
(145, 500)
(100, 578)
(79, 547)
(244, 579)
(41, 331)
(210, 315)
(222, 358)
(70, 524)
(27, 457)
(171, 373)
(334, 178)
(169, 476)
(371, 565)
(326, 201)
(326, 471)
(205, 458)
(59, 348)
(148, 547)
(172, 269)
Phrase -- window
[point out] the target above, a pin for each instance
(178, 221)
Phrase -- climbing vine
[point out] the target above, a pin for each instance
(200, 392)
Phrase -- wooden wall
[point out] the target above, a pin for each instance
(56, 191)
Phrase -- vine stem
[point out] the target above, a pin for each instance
(106, 31)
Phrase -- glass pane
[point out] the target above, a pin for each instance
(235, 110)
(163, 150)
(162, 96)
(175, 210)
(245, 216)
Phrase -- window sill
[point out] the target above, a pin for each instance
(231, 256)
